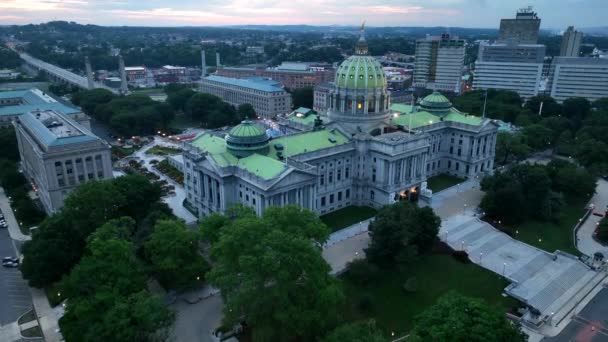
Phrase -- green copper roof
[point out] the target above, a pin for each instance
(268, 166)
(423, 118)
(247, 129)
(306, 120)
(360, 72)
(436, 98)
(307, 142)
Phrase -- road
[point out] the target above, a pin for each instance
(586, 243)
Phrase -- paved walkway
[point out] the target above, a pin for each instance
(13, 227)
(173, 201)
(586, 243)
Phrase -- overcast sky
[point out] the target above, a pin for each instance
(555, 14)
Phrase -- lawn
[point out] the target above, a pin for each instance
(551, 236)
(394, 309)
(442, 182)
(163, 150)
(348, 216)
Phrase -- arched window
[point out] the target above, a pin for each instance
(372, 105)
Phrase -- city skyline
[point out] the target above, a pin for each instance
(457, 13)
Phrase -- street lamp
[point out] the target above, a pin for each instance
(480, 256)
(504, 265)
(462, 245)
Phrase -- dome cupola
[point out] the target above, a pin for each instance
(247, 138)
(436, 103)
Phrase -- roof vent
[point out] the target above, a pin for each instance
(278, 147)
(332, 140)
(280, 155)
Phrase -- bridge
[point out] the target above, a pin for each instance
(62, 75)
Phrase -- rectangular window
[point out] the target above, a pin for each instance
(331, 177)
(451, 150)
(322, 179)
(339, 195)
(339, 175)
(457, 166)
(331, 199)
(346, 173)
(323, 201)
(449, 164)
(459, 152)
(347, 194)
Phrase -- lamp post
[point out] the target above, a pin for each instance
(462, 245)
(504, 265)
(480, 257)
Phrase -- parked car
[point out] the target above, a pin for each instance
(11, 259)
(10, 264)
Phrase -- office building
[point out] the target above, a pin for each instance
(291, 74)
(58, 154)
(17, 102)
(365, 152)
(439, 63)
(137, 75)
(571, 43)
(578, 77)
(321, 97)
(265, 95)
(509, 66)
(523, 29)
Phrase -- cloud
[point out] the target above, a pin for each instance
(169, 14)
(41, 5)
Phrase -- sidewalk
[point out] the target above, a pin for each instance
(13, 226)
(585, 242)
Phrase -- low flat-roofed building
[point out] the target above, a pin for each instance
(58, 154)
(17, 102)
(265, 95)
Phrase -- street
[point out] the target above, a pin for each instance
(14, 293)
(584, 236)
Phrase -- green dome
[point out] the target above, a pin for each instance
(360, 72)
(436, 103)
(247, 138)
(247, 129)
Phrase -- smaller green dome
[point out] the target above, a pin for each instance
(247, 138)
(247, 129)
(436, 103)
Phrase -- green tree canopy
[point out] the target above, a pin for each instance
(402, 231)
(363, 331)
(246, 111)
(461, 319)
(172, 250)
(511, 146)
(271, 274)
(179, 98)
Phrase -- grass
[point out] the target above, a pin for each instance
(348, 216)
(163, 150)
(442, 182)
(551, 236)
(52, 294)
(394, 309)
(32, 332)
(28, 317)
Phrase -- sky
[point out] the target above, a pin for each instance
(555, 14)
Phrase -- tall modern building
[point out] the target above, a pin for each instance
(17, 102)
(439, 63)
(523, 29)
(571, 43)
(578, 77)
(266, 96)
(510, 66)
(58, 154)
(366, 152)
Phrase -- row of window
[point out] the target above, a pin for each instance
(332, 197)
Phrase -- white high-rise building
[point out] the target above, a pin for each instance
(510, 66)
(439, 63)
(571, 43)
(578, 77)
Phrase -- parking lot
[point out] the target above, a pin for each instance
(590, 325)
(15, 298)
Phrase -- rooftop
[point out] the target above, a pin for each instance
(404, 116)
(269, 166)
(51, 128)
(28, 100)
(302, 116)
(256, 83)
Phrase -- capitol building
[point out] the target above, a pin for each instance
(365, 152)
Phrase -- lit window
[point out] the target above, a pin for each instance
(359, 105)
(360, 77)
(352, 77)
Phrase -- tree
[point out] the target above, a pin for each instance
(201, 105)
(271, 274)
(511, 146)
(8, 141)
(402, 231)
(363, 331)
(538, 137)
(550, 106)
(302, 97)
(60, 240)
(246, 111)
(569, 179)
(172, 250)
(90, 99)
(459, 319)
(106, 291)
(602, 231)
(179, 98)
(9, 59)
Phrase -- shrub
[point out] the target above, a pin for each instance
(366, 302)
(361, 271)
